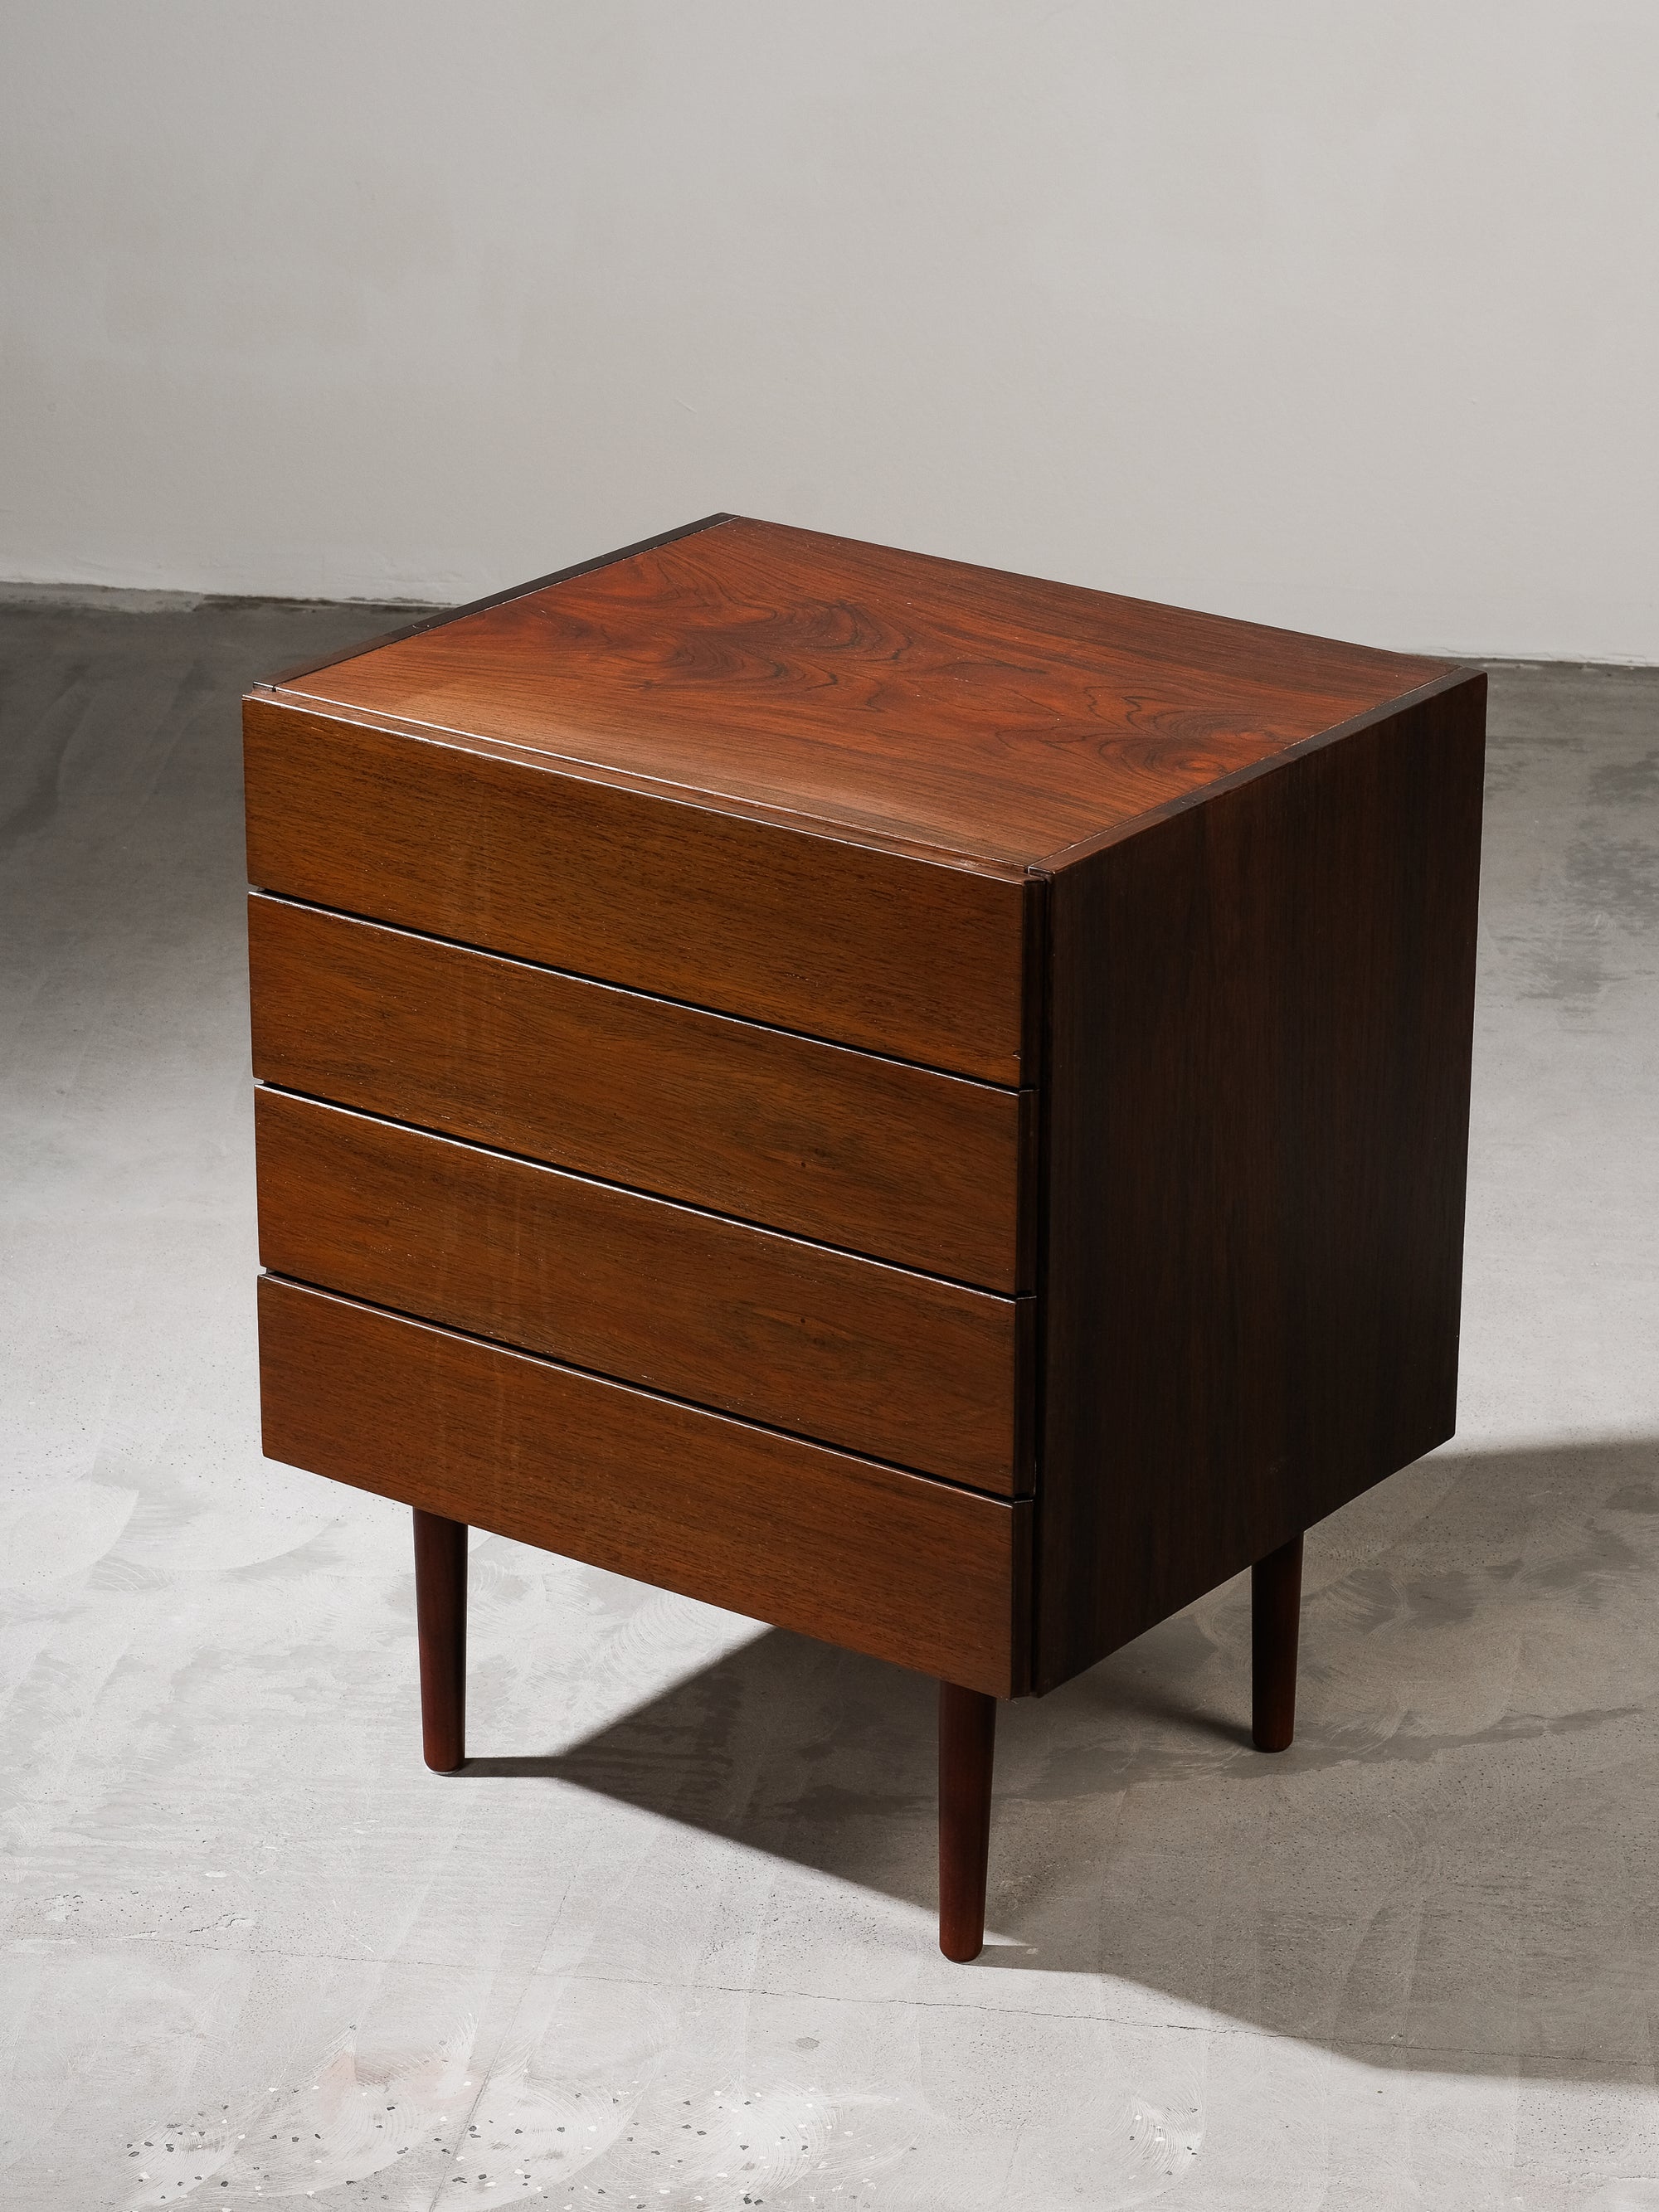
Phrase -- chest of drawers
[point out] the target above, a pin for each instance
(922, 1106)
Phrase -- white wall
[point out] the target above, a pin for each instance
(1338, 315)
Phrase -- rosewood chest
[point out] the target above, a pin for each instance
(925, 1107)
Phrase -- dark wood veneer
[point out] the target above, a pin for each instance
(1262, 1016)
(922, 958)
(897, 1161)
(896, 1366)
(440, 616)
(952, 934)
(894, 1564)
(857, 683)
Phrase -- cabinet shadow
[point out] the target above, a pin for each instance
(1453, 1862)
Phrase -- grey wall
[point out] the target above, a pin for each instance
(1337, 316)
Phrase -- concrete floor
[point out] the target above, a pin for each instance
(671, 1942)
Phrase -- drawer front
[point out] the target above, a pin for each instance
(896, 1366)
(897, 1161)
(906, 1568)
(885, 951)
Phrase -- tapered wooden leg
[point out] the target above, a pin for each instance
(1275, 1616)
(440, 1621)
(967, 1742)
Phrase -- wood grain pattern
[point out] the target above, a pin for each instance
(886, 951)
(1261, 1024)
(896, 1365)
(896, 1162)
(897, 1565)
(835, 862)
(440, 615)
(991, 713)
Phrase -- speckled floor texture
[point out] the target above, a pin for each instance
(668, 1942)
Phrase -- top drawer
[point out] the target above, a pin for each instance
(891, 950)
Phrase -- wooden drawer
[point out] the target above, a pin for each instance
(897, 1365)
(907, 1569)
(898, 1162)
(920, 954)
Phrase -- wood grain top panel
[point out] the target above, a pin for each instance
(993, 715)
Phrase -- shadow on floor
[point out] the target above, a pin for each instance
(1453, 1862)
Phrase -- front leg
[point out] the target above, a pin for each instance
(966, 1743)
(441, 1623)
(1275, 1618)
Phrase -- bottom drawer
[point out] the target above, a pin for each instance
(788, 1532)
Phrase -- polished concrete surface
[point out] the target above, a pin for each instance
(669, 1939)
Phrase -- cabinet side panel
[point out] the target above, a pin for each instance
(1262, 1019)
(888, 953)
